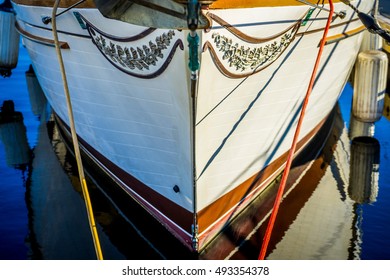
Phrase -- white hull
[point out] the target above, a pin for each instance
(140, 120)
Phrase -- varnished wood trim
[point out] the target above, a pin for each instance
(137, 37)
(331, 27)
(244, 37)
(345, 35)
(234, 4)
(208, 46)
(92, 30)
(40, 40)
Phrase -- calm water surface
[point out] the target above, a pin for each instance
(42, 214)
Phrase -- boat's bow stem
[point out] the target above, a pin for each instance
(193, 9)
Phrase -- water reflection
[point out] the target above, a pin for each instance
(364, 175)
(363, 181)
(58, 227)
(58, 216)
(13, 136)
(37, 97)
(323, 228)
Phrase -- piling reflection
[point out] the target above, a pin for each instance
(364, 170)
(37, 97)
(363, 182)
(13, 135)
(56, 228)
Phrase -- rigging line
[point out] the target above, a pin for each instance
(223, 99)
(83, 182)
(348, 3)
(70, 7)
(370, 22)
(47, 20)
(321, 7)
(124, 216)
(286, 172)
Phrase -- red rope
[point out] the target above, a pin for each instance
(286, 172)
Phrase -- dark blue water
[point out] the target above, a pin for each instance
(42, 213)
(375, 217)
(13, 211)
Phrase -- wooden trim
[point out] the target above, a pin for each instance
(234, 4)
(345, 35)
(219, 4)
(218, 63)
(331, 27)
(244, 37)
(40, 40)
(137, 37)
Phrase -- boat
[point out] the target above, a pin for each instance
(190, 107)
